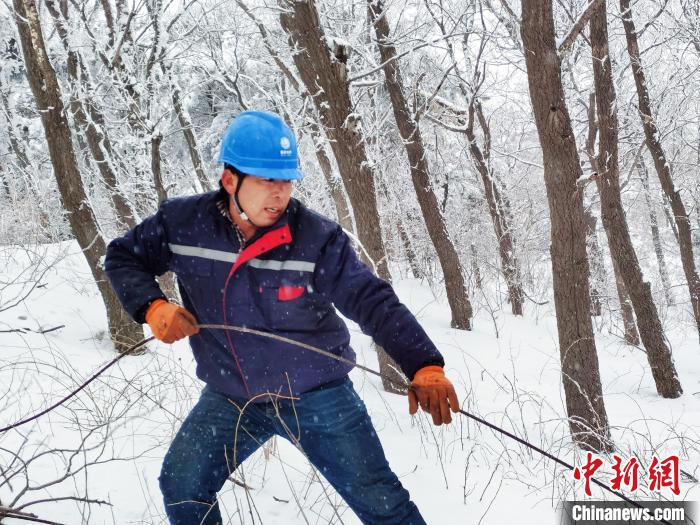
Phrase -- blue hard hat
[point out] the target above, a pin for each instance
(259, 143)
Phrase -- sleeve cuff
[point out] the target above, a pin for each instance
(434, 361)
(140, 315)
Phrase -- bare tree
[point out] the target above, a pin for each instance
(403, 235)
(15, 145)
(89, 118)
(23, 167)
(494, 193)
(626, 311)
(335, 184)
(655, 234)
(614, 221)
(457, 297)
(183, 117)
(324, 74)
(588, 420)
(661, 162)
(497, 207)
(325, 78)
(595, 259)
(44, 86)
(157, 56)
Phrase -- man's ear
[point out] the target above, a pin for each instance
(229, 181)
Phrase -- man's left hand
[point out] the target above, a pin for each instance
(435, 394)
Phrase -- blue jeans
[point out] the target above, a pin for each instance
(333, 429)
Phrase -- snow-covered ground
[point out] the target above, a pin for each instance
(463, 473)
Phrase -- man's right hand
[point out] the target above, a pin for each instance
(170, 322)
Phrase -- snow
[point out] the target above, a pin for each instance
(462, 473)
(333, 40)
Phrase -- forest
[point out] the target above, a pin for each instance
(525, 173)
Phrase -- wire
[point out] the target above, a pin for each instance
(292, 342)
(463, 412)
(130, 350)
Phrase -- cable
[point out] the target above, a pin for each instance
(463, 412)
(342, 360)
(77, 390)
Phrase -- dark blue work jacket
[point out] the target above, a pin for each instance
(286, 280)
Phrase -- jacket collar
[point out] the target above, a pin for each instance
(222, 198)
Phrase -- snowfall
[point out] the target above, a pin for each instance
(108, 441)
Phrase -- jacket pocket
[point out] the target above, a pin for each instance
(289, 304)
(290, 293)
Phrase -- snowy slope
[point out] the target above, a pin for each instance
(458, 474)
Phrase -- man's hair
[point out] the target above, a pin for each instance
(233, 169)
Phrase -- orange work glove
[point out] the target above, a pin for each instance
(435, 394)
(170, 322)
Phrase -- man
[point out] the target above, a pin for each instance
(250, 255)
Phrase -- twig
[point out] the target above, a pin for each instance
(401, 55)
(77, 390)
(25, 330)
(579, 25)
(15, 514)
(49, 329)
(240, 483)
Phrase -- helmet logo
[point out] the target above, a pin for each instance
(285, 144)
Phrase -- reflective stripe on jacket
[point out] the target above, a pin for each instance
(287, 280)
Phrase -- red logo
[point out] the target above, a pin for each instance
(662, 473)
(588, 470)
(289, 293)
(627, 475)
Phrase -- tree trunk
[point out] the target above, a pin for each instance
(669, 219)
(626, 312)
(97, 139)
(156, 140)
(335, 185)
(614, 221)
(457, 297)
(325, 78)
(504, 237)
(408, 248)
(44, 85)
(3, 182)
(655, 234)
(183, 117)
(697, 216)
(167, 281)
(15, 145)
(475, 267)
(595, 259)
(588, 420)
(663, 168)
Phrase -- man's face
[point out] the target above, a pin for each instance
(263, 200)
